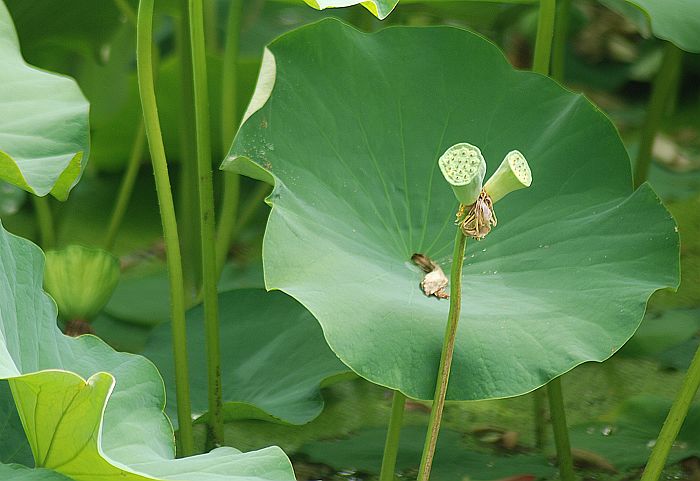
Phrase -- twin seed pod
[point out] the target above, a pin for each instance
(464, 168)
(81, 281)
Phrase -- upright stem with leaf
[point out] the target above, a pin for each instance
(207, 221)
(144, 62)
(541, 64)
(674, 421)
(662, 89)
(229, 123)
(448, 345)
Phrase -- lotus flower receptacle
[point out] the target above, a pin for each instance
(464, 169)
(81, 280)
(513, 174)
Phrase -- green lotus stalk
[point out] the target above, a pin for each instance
(464, 167)
(81, 280)
(674, 421)
(147, 93)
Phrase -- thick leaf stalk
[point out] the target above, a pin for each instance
(662, 91)
(207, 222)
(144, 62)
(391, 446)
(674, 421)
(561, 431)
(448, 347)
(229, 123)
(545, 35)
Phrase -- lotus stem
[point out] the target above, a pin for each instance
(126, 10)
(144, 63)
(391, 447)
(662, 89)
(215, 420)
(229, 124)
(561, 34)
(188, 200)
(539, 397)
(127, 187)
(448, 346)
(561, 431)
(44, 217)
(674, 421)
(545, 34)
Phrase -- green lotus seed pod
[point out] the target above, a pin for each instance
(81, 280)
(513, 174)
(464, 168)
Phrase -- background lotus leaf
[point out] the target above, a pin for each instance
(677, 21)
(17, 472)
(348, 126)
(379, 8)
(273, 362)
(44, 123)
(77, 420)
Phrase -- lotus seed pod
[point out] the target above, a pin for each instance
(464, 168)
(81, 280)
(513, 174)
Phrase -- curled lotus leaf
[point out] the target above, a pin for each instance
(44, 123)
(88, 411)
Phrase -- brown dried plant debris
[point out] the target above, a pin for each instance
(434, 283)
(476, 220)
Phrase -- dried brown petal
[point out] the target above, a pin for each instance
(435, 281)
(477, 219)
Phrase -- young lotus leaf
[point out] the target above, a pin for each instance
(88, 411)
(677, 21)
(379, 8)
(273, 362)
(44, 123)
(351, 143)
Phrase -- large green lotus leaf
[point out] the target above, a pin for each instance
(348, 126)
(44, 123)
(274, 358)
(78, 420)
(677, 21)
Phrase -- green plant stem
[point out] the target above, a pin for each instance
(127, 187)
(448, 347)
(545, 34)
(206, 215)
(674, 421)
(561, 34)
(188, 201)
(561, 431)
(126, 10)
(144, 62)
(539, 397)
(660, 97)
(211, 28)
(229, 123)
(391, 446)
(44, 218)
